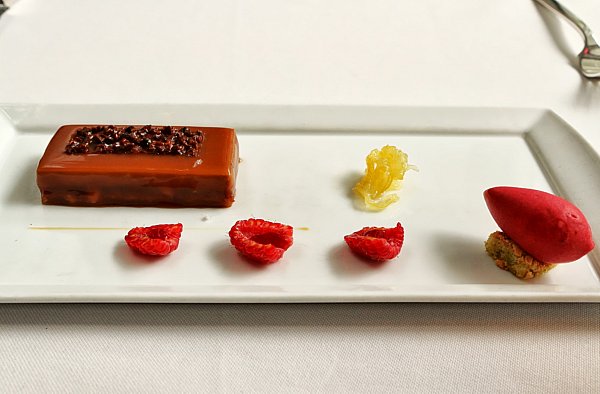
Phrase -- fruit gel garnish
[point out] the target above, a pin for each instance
(384, 174)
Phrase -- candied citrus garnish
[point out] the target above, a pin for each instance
(384, 174)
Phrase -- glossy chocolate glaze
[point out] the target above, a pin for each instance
(207, 180)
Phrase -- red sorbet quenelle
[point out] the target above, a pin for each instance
(546, 226)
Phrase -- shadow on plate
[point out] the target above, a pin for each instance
(24, 191)
(347, 182)
(345, 263)
(466, 261)
(131, 260)
(231, 262)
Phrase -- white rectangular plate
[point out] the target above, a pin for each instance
(298, 166)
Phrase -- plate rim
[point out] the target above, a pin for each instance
(525, 122)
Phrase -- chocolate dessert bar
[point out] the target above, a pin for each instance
(108, 165)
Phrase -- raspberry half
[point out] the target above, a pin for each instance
(377, 243)
(260, 240)
(157, 240)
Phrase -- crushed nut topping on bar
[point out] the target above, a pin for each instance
(156, 140)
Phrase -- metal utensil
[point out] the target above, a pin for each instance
(3, 7)
(589, 57)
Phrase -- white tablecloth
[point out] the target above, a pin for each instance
(427, 53)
